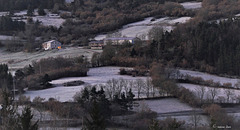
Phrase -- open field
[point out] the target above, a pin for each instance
(206, 76)
(20, 59)
(191, 5)
(141, 28)
(95, 76)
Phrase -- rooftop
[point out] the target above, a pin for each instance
(120, 38)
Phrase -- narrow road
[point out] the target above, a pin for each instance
(197, 112)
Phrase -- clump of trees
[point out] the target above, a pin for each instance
(38, 75)
(12, 5)
(167, 86)
(212, 10)
(218, 116)
(7, 24)
(222, 49)
(6, 78)
(10, 118)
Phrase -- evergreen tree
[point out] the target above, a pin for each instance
(25, 120)
(154, 125)
(45, 81)
(130, 97)
(41, 11)
(30, 11)
(30, 70)
(8, 111)
(96, 121)
(5, 77)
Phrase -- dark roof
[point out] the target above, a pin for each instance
(120, 38)
(96, 42)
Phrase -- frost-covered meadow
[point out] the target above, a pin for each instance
(141, 28)
(191, 5)
(206, 76)
(163, 105)
(95, 76)
(21, 59)
(49, 19)
(169, 105)
(220, 92)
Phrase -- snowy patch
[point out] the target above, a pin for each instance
(141, 28)
(221, 92)
(95, 76)
(206, 76)
(192, 5)
(5, 37)
(4, 13)
(49, 19)
(164, 105)
(21, 59)
(179, 20)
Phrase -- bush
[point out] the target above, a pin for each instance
(23, 99)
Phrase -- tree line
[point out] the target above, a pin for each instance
(11, 5)
(39, 74)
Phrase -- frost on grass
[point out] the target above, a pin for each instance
(95, 76)
(20, 59)
(141, 28)
(192, 5)
(206, 76)
(164, 105)
(221, 93)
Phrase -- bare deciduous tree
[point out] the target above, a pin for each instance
(238, 99)
(111, 88)
(149, 87)
(213, 93)
(124, 84)
(201, 92)
(229, 93)
(139, 84)
(195, 119)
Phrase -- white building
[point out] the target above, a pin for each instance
(119, 40)
(53, 44)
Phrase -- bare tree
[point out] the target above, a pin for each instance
(221, 99)
(201, 92)
(120, 84)
(149, 87)
(213, 93)
(39, 107)
(195, 119)
(172, 73)
(111, 88)
(238, 99)
(237, 85)
(229, 93)
(124, 84)
(139, 84)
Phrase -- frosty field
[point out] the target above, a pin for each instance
(141, 28)
(206, 76)
(20, 59)
(221, 92)
(95, 76)
(163, 105)
(192, 5)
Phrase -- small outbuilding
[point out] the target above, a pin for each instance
(96, 45)
(53, 44)
(119, 40)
